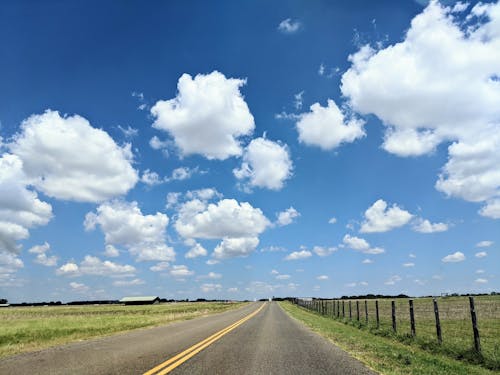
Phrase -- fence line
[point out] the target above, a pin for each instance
(336, 310)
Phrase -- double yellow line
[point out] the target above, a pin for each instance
(179, 359)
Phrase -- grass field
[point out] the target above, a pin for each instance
(458, 341)
(25, 329)
(383, 354)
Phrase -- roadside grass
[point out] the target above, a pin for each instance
(385, 354)
(24, 329)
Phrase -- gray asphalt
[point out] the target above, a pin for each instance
(269, 343)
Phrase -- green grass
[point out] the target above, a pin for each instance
(25, 329)
(384, 354)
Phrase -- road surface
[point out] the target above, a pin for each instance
(257, 339)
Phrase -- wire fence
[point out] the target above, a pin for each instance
(464, 327)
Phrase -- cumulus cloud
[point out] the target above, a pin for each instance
(207, 117)
(63, 158)
(454, 258)
(111, 251)
(324, 251)
(9, 265)
(266, 164)
(282, 277)
(124, 224)
(409, 264)
(481, 254)
(123, 283)
(360, 244)
(332, 220)
(162, 266)
(79, 287)
(425, 226)
(286, 217)
(41, 256)
(289, 26)
(367, 261)
(327, 127)
(227, 218)
(296, 255)
(484, 244)
(235, 247)
(210, 288)
(322, 277)
(91, 265)
(196, 251)
(20, 208)
(481, 281)
(180, 271)
(393, 280)
(151, 178)
(439, 84)
(380, 218)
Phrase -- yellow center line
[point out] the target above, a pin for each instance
(180, 358)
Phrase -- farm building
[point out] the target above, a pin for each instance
(145, 300)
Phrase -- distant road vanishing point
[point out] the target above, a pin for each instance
(259, 338)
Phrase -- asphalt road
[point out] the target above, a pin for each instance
(266, 342)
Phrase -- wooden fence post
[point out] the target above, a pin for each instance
(343, 309)
(438, 323)
(366, 311)
(338, 308)
(477, 343)
(393, 308)
(376, 314)
(350, 310)
(412, 318)
(357, 310)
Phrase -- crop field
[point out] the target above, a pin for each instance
(456, 325)
(25, 329)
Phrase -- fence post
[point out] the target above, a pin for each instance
(357, 310)
(412, 318)
(366, 311)
(333, 308)
(338, 308)
(393, 308)
(438, 323)
(350, 310)
(376, 314)
(477, 343)
(343, 309)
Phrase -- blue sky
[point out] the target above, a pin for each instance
(248, 149)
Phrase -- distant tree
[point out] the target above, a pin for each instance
(3, 300)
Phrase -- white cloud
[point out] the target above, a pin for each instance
(111, 251)
(367, 261)
(360, 244)
(440, 84)
(298, 100)
(20, 208)
(207, 116)
(481, 254)
(282, 277)
(212, 262)
(150, 178)
(289, 26)
(484, 244)
(228, 219)
(321, 69)
(79, 287)
(232, 290)
(266, 164)
(128, 132)
(453, 258)
(41, 256)
(425, 226)
(286, 217)
(124, 224)
(180, 271)
(9, 265)
(94, 266)
(409, 264)
(134, 282)
(296, 255)
(393, 280)
(235, 247)
(182, 173)
(162, 266)
(63, 158)
(481, 281)
(327, 127)
(210, 288)
(332, 220)
(214, 275)
(380, 218)
(324, 251)
(157, 144)
(480, 272)
(411, 255)
(322, 277)
(196, 251)
(203, 194)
